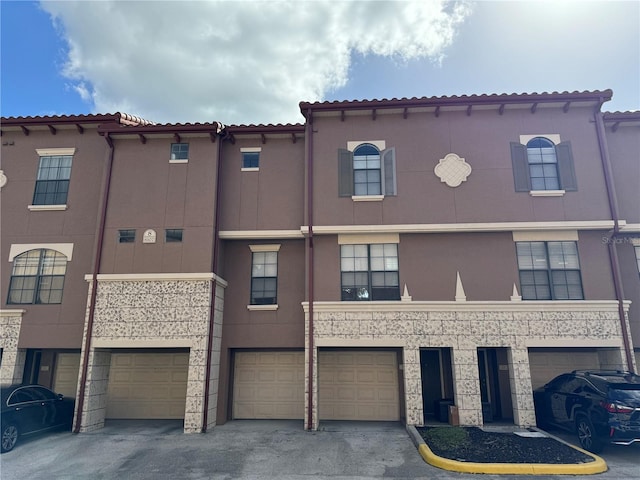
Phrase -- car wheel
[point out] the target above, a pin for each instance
(587, 435)
(9, 437)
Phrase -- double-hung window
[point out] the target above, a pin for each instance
(540, 165)
(52, 183)
(250, 158)
(37, 277)
(549, 271)
(369, 272)
(264, 275)
(366, 169)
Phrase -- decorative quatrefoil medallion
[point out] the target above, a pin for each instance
(452, 170)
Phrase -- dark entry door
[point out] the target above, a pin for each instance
(431, 381)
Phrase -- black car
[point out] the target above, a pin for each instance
(601, 406)
(28, 409)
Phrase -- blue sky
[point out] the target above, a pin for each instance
(252, 62)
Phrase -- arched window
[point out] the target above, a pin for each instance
(37, 277)
(543, 164)
(366, 170)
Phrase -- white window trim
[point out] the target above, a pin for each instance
(65, 249)
(251, 149)
(367, 198)
(181, 160)
(252, 169)
(368, 238)
(537, 236)
(50, 152)
(265, 248)
(553, 137)
(47, 208)
(262, 308)
(547, 193)
(379, 144)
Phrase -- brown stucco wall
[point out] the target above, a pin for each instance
(483, 140)
(148, 192)
(52, 326)
(624, 153)
(269, 199)
(279, 329)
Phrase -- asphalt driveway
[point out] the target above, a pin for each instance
(243, 449)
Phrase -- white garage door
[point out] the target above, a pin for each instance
(268, 385)
(548, 363)
(358, 385)
(147, 385)
(66, 377)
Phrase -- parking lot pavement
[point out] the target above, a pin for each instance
(243, 450)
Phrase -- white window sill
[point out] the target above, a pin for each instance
(252, 169)
(46, 208)
(181, 160)
(367, 198)
(547, 193)
(263, 308)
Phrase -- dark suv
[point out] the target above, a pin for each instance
(602, 406)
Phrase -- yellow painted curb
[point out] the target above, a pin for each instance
(597, 466)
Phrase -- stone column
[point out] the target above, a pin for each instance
(524, 414)
(13, 358)
(466, 380)
(413, 386)
(214, 376)
(95, 395)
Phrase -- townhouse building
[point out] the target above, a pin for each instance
(382, 260)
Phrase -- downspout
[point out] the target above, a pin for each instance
(309, 136)
(94, 284)
(613, 252)
(212, 298)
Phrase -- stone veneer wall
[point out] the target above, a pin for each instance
(214, 377)
(463, 327)
(13, 358)
(140, 311)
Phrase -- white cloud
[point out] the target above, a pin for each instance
(237, 62)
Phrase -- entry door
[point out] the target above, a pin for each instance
(431, 380)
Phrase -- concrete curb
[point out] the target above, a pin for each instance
(597, 466)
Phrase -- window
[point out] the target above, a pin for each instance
(549, 271)
(542, 165)
(172, 235)
(37, 277)
(52, 184)
(369, 272)
(637, 248)
(366, 171)
(126, 236)
(250, 159)
(264, 278)
(179, 151)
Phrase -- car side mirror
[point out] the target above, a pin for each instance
(60, 396)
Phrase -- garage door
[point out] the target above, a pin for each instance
(358, 385)
(66, 377)
(268, 385)
(147, 385)
(548, 363)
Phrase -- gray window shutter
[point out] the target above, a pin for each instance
(388, 173)
(566, 170)
(345, 173)
(520, 164)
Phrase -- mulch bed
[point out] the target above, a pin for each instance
(493, 447)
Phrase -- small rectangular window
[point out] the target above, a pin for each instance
(369, 272)
(173, 235)
(250, 159)
(179, 151)
(126, 236)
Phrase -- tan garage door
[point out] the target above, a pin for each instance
(147, 385)
(65, 380)
(358, 385)
(547, 363)
(268, 385)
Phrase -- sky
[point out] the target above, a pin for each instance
(252, 62)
